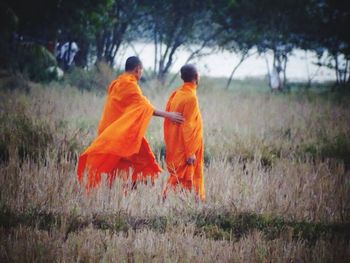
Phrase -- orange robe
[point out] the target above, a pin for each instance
(120, 144)
(182, 141)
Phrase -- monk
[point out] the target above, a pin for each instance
(121, 147)
(184, 143)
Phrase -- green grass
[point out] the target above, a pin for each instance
(334, 148)
(218, 226)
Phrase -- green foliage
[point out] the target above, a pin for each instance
(101, 27)
(33, 61)
(326, 31)
(119, 25)
(281, 26)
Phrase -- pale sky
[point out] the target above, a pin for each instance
(221, 63)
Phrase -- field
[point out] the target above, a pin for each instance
(277, 180)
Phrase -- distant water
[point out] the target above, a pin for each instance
(220, 63)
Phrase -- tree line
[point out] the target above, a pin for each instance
(102, 27)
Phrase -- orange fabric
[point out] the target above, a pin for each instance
(120, 144)
(182, 141)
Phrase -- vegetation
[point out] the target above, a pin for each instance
(276, 178)
(102, 27)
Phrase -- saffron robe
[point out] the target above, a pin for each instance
(120, 144)
(184, 140)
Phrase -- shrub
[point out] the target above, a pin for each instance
(11, 82)
(96, 79)
(33, 60)
(336, 148)
(22, 136)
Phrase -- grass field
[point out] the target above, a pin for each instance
(277, 180)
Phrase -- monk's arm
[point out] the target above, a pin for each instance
(172, 116)
(134, 96)
(188, 128)
(191, 159)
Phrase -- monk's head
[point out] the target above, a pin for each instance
(189, 73)
(133, 65)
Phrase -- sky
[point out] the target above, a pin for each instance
(220, 63)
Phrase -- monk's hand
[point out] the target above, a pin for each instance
(175, 117)
(190, 160)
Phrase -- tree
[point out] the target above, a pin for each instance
(8, 24)
(234, 32)
(171, 25)
(80, 21)
(326, 32)
(61, 20)
(122, 16)
(267, 25)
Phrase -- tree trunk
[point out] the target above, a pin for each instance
(196, 53)
(268, 70)
(345, 71)
(155, 52)
(275, 81)
(99, 45)
(337, 69)
(82, 56)
(285, 60)
(243, 57)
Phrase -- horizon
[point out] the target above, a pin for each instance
(301, 64)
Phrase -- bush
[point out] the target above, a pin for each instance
(336, 148)
(33, 61)
(22, 136)
(96, 79)
(10, 82)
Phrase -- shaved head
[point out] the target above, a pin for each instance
(189, 73)
(132, 62)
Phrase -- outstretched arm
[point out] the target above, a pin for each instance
(172, 116)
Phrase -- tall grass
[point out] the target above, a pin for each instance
(176, 245)
(277, 155)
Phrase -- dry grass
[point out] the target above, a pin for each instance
(259, 161)
(176, 245)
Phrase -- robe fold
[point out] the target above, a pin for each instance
(183, 141)
(120, 144)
